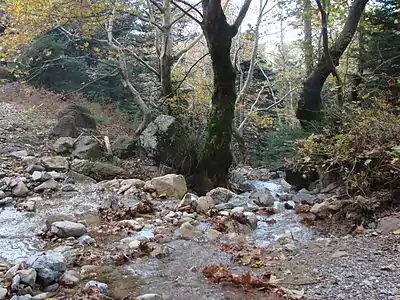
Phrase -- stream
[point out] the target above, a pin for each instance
(177, 276)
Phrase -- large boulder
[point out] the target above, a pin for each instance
(87, 147)
(63, 144)
(49, 267)
(221, 195)
(171, 185)
(124, 147)
(98, 170)
(72, 119)
(166, 141)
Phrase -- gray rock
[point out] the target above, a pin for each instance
(124, 147)
(239, 201)
(102, 287)
(97, 170)
(304, 198)
(65, 229)
(15, 282)
(159, 251)
(204, 204)
(37, 176)
(188, 231)
(3, 293)
(20, 189)
(28, 276)
(63, 145)
(22, 297)
(32, 168)
(87, 147)
(2, 195)
(221, 195)
(263, 197)
(86, 240)
(224, 206)
(76, 177)
(55, 163)
(52, 288)
(41, 296)
(6, 200)
(19, 154)
(68, 252)
(252, 219)
(49, 267)
(68, 188)
(70, 278)
(388, 224)
(149, 297)
(50, 184)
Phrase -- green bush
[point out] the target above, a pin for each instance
(280, 144)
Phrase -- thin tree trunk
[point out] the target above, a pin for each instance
(308, 47)
(310, 105)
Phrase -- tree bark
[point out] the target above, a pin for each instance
(310, 104)
(216, 156)
(307, 46)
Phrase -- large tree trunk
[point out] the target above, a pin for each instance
(216, 156)
(310, 104)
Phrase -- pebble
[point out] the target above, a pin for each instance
(102, 287)
(3, 293)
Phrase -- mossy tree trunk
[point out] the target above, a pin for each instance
(310, 105)
(216, 156)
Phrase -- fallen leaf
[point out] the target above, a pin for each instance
(360, 229)
(293, 294)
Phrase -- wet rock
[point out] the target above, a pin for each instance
(304, 198)
(52, 288)
(388, 224)
(69, 278)
(263, 197)
(188, 231)
(50, 184)
(239, 200)
(63, 145)
(171, 185)
(285, 185)
(20, 189)
(102, 287)
(49, 267)
(65, 229)
(32, 168)
(28, 276)
(149, 297)
(204, 204)
(97, 170)
(87, 147)
(251, 219)
(55, 163)
(124, 147)
(221, 195)
(159, 251)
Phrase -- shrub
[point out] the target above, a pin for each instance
(363, 151)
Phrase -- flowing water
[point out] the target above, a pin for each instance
(178, 276)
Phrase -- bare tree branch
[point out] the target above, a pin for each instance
(241, 15)
(186, 12)
(156, 4)
(190, 46)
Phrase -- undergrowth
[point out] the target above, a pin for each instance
(362, 149)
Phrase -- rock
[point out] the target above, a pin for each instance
(165, 140)
(86, 240)
(172, 185)
(133, 182)
(41, 296)
(221, 195)
(2, 195)
(224, 206)
(159, 251)
(251, 219)
(12, 271)
(3, 293)
(32, 168)
(149, 297)
(73, 118)
(28, 276)
(304, 198)
(135, 244)
(37, 176)
(22, 297)
(68, 252)
(20, 189)
(388, 224)
(15, 282)
(204, 204)
(18, 154)
(124, 147)
(338, 254)
(55, 163)
(188, 231)
(29, 205)
(325, 209)
(69, 278)
(76, 177)
(65, 229)
(263, 197)
(56, 175)
(97, 170)
(239, 201)
(213, 235)
(87, 147)
(50, 184)
(68, 188)
(49, 267)
(52, 288)
(188, 200)
(6, 200)
(102, 287)
(63, 145)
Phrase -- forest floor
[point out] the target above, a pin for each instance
(362, 266)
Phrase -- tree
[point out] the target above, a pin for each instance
(216, 157)
(310, 104)
(308, 46)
